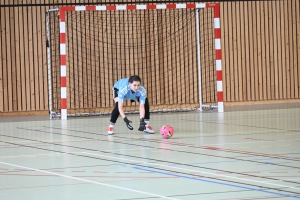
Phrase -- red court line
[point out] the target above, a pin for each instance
(259, 139)
(222, 149)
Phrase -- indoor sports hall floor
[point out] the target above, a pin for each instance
(228, 156)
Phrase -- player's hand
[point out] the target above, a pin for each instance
(127, 121)
(142, 125)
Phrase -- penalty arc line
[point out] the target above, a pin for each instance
(89, 181)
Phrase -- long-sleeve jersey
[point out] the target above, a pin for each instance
(126, 94)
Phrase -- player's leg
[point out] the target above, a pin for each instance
(114, 114)
(147, 117)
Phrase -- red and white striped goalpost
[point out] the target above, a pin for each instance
(63, 64)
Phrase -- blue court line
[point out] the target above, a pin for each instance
(273, 163)
(230, 161)
(220, 183)
(225, 161)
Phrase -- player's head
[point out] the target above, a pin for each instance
(134, 82)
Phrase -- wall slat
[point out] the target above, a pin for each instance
(281, 52)
(8, 75)
(31, 71)
(264, 45)
(235, 53)
(267, 59)
(259, 34)
(36, 59)
(252, 60)
(247, 51)
(239, 54)
(261, 48)
(275, 78)
(22, 66)
(289, 9)
(231, 54)
(286, 65)
(255, 67)
(2, 58)
(18, 22)
(297, 43)
(26, 59)
(13, 59)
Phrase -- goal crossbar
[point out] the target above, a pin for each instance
(63, 50)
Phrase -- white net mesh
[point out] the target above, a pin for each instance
(158, 45)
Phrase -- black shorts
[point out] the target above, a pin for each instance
(115, 92)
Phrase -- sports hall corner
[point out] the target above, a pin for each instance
(148, 100)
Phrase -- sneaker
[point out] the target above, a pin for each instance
(110, 130)
(149, 130)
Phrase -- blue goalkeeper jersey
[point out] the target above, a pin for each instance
(126, 94)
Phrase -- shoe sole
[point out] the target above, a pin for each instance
(149, 132)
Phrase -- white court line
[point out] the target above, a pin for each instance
(55, 154)
(88, 181)
(291, 179)
(167, 166)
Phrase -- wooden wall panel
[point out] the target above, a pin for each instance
(267, 33)
(269, 58)
(239, 52)
(2, 59)
(274, 46)
(18, 65)
(12, 72)
(9, 57)
(259, 34)
(293, 50)
(260, 46)
(297, 48)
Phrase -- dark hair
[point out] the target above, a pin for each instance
(134, 78)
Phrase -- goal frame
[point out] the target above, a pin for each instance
(217, 34)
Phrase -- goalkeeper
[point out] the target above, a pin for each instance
(130, 89)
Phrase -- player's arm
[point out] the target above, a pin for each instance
(122, 113)
(142, 101)
(142, 111)
(142, 126)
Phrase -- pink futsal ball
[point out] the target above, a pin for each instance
(166, 131)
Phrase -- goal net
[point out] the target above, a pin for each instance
(172, 47)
